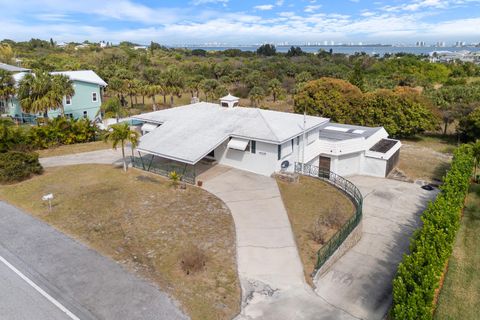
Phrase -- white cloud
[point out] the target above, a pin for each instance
(312, 8)
(200, 2)
(56, 18)
(264, 7)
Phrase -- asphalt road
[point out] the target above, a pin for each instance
(46, 275)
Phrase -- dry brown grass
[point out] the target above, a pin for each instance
(426, 157)
(141, 221)
(73, 148)
(308, 202)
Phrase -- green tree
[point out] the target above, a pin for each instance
(208, 87)
(327, 97)
(356, 78)
(275, 88)
(469, 126)
(6, 53)
(7, 87)
(112, 108)
(256, 95)
(121, 133)
(175, 82)
(267, 50)
(43, 92)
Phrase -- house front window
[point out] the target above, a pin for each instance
(85, 114)
(68, 100)
(253, 146)
(94, 96)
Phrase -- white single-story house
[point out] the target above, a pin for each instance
(262, 141)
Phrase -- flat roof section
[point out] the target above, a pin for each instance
(383, 146)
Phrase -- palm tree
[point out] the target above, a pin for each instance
(112, 108)
(43, 92)
(119, 134)
(256, 95)
(175, 82)
(208, 87)
(275, 88)
(152, 91)
(7, 87)
(62, 87)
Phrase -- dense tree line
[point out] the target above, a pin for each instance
(270, 79)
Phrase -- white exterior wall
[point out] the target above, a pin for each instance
(263, 161)
(347, 165)
(373, 167)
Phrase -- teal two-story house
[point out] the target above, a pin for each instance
(85, 103)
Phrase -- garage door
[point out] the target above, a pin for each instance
(392, 162)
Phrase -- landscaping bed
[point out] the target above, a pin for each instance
(460, 296)
(316, 211)
(183, 240)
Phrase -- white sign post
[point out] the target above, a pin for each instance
(49, 198)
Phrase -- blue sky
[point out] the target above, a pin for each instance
(242, 22)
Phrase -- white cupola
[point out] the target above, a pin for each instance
(229, 101)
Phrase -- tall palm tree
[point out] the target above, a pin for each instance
(175, 82)
(208, 87)
(121, 133)
(256, 95)
(43, 92)
(152, 91)
(275, 88)
(112, 108)
(7, 86)
(62, 87)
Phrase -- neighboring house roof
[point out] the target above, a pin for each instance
(11, 68)
(88, 76)
(340, 132)
(190, 132)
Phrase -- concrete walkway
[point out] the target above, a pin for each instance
(108, 156)
(87, 284)
(361, 281)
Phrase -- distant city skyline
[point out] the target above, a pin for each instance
(244, 22)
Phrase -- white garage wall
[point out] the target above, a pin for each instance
(264, 161)
(347, 165)
(373, 167)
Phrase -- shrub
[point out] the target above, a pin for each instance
(418, 275)
(193, 260)
(17, 166)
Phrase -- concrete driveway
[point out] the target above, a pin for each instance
(107, 156)
(269, 267)
(63, 279)
(361, 281)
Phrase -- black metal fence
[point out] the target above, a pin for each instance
(164, 167)
(349, 189)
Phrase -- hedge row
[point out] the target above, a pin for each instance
(419, 273)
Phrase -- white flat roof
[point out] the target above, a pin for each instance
(88, 76)
(189, 133)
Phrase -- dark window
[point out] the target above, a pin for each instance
(298, 140)
(293, 142)
(85, 114)
(253, 146)
(279, 156)
(94, 96)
